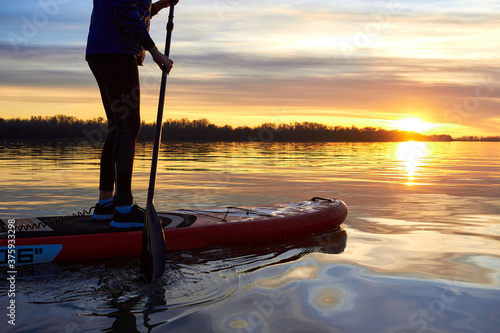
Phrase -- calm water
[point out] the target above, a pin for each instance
(420, 251)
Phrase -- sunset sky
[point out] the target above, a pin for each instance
(356, 62)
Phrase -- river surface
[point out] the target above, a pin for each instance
(419, 251)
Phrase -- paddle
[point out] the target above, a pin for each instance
(153, 251)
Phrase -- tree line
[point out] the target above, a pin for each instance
(477, 138)
(62, 127)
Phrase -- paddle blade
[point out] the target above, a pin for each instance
(153, 253)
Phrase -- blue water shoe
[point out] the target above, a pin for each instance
(132, 219)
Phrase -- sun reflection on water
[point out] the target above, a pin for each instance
(412, 155)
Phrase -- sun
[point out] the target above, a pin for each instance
(413, 124)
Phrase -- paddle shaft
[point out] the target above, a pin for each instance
(153, 251)
(161, 102)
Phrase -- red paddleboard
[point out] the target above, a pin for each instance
(36, 240)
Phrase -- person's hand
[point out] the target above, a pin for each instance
(161, 60)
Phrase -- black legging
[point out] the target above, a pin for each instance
(118, 78)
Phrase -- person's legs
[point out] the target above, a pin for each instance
(105, 195)
(107, 178)
(118, 79)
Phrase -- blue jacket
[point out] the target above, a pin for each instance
(120, 26)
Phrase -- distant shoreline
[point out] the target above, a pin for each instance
(65, 128)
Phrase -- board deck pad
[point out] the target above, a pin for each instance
(82, 225)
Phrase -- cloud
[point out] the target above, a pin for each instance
(56, 66)
(368, 59)
(318, 83)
